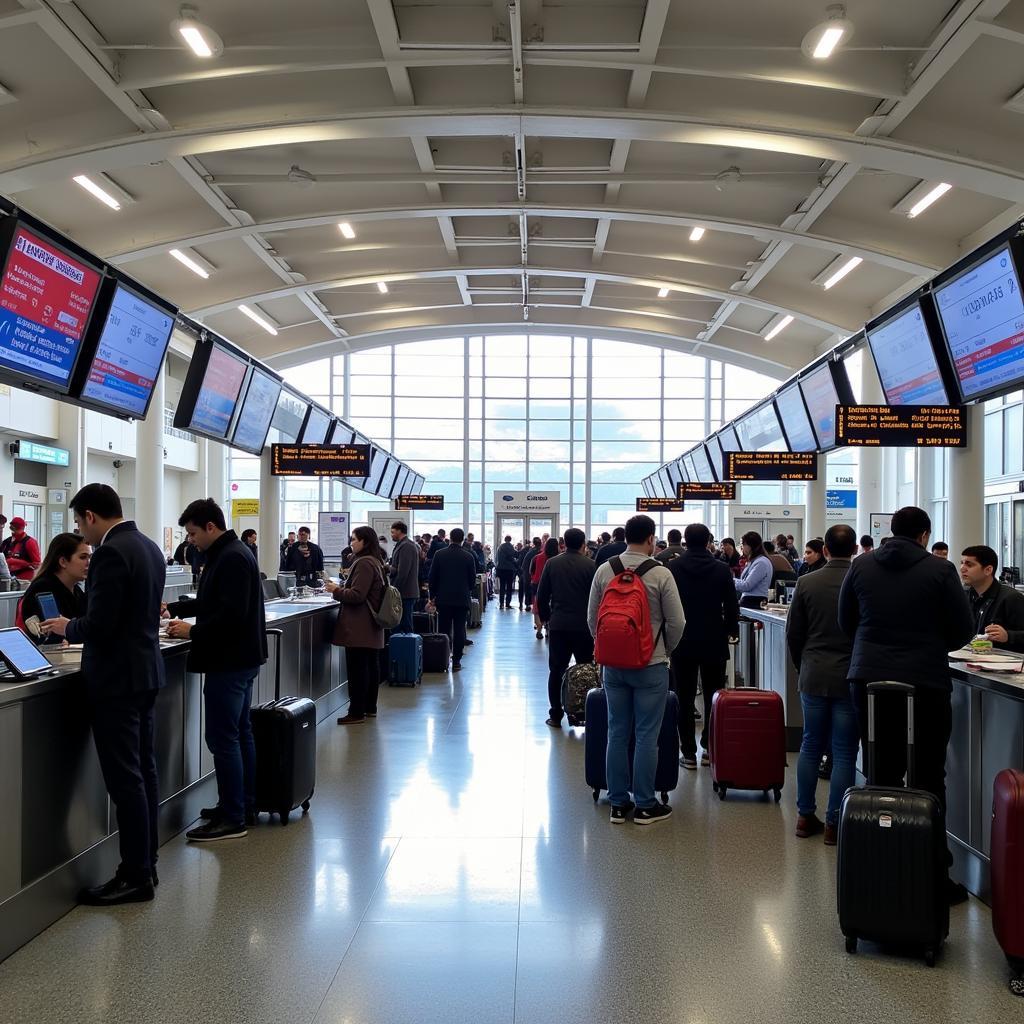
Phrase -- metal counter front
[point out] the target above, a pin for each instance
(59, 825)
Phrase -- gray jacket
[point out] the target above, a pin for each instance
(405, 568)
(819, 648)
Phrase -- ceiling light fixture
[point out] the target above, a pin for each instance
(662, 293)
(346, 229)
(821, 42)
(928, 198)
(191, 260)
(779, 327)
(257, 319)
(199, 38)
(696, 234)
(300, 176)
(96, 191)
(840, 272)
(382, 287)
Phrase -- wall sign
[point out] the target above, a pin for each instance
(527, 502)
(244, 507)
(333, 533)
(32, 451)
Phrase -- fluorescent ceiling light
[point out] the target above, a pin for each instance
(820, 43)
(696, 234)
(382, 287)
(192, 262)
(346, 229)
(840, 272)
(257, 319)
(662, 293)
(199, 38)
(779, 327)
(830, 39)
(96, 192)
(194, 38)
(928, 198)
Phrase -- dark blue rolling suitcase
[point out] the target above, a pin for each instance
(405, 659)
(595, 745)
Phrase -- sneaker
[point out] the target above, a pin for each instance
(831, 834)
(554, 723)
(210, 813)
(214, 830)
(351, 719)
(808, 825)
(649, 815)
(456, 666)
(469, 643)
(618, 814)
(540, 634)
(371, 714)
(688, 761)
(705, 759)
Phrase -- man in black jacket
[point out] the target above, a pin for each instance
(707, 590)
(506, 565)
(617, 547)
(998, 610)
(452, 583)
(305, 559)
(405, 572)
(123, 669)
(905, 610)
(229, 644)
(563, 597)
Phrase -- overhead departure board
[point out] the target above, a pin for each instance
(348, 460)
(419, 503)
(901, 426)
(707, 492)
(659, 504)
(771, 465)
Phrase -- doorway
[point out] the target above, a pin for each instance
(33, 516)
(524, 528)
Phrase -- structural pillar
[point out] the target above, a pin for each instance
(870, 492)
(216, 471)
(270, 518)
(967, 486)
(149, 468)
(816, 523)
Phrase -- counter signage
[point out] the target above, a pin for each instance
(419, 503)
(659, 505)
(901, 426)
(320, 460)
(707, 492)
(244, 507)
(30, 451)
(771, 465)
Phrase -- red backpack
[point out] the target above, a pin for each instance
(624, 638)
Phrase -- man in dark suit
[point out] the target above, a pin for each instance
(123, 670)
(711, 608)
(452, 582)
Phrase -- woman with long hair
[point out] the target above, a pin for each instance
(550, 550)
(65, 565)
(357, 630)
(753, 584)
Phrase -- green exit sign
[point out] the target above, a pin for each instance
(30, 451)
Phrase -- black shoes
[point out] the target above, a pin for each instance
(469, 643)
(618, 815)
(214, 814)
(215, 830)
(117, 891)
(456, 666)
(649, 815)
(555, 723)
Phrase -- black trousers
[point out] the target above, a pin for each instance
(564, 644)
(685, 673)
(363, 679)
(451, 620)
(506, 579)
(124, 729)
(933, 724)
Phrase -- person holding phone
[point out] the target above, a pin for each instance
(55, 590)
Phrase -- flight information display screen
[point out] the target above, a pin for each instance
(46, 298)
(772, 465)
(257, 411)
(707, 492)
(730, 440)
(795, 421)
(907, 365)
(982, 315)
(420, 502)
(317, 424)
(702, 464)
(760, 431)
(289, 417)
(902, 426)
(715, 455)
(819, 391)
(319, 460)
(659, 505)
(129, 354)
(218, 393)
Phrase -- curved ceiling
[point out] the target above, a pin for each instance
(533, 164)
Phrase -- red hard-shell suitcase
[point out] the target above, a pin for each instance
(1008, 867)
(284, 731)
(748, 741)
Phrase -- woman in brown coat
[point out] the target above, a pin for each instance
(357, 630)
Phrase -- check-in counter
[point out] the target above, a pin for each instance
(59, 830)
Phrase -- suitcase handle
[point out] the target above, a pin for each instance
(279, 634)
(890, 687)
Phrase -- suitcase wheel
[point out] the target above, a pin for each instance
(285, 815)
(778, 794)
(722, 790)
(851, 943)
(664, 797)
(597, 793)
(929, 957)
(305, 807)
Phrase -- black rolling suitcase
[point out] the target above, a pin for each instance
(424, 622)
(437, 653)
(892, 872)
(284, 730)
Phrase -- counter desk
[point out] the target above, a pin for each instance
(988, 735)
(59, 827)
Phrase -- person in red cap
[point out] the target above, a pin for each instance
(21, 551)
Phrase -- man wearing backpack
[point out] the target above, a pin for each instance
(636, 618)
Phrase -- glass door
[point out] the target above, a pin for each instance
(33, 516)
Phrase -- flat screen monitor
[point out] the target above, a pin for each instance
(342, 433)
(665, 481)
(982, 317)
(796, 423)
(211, 391)
(359, 439)
(729, 439)
(702, 464)
(823, 389)
(256, 412)
(905, 357)
(378, 463)
(714, 448)
(402, 482)
(418, 484)
(675, 476)
(760, 431)
(691, 469)
(318, 422)
(388, 480)
(47, 296)
(289, 416)
(127, 356)
(645, 485)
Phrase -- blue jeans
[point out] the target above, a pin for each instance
(636, 703)
(229, 737)
(824, 716)
(408, 604)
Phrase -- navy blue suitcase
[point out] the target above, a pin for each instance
(595, 745)
(405, 659)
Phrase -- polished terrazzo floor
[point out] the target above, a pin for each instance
(455, 869)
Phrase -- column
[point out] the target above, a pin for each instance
(967, 486)
(870, 492)
(924, 478)
(270, 517)
(815, 524)
(215, 467)
(149, 467)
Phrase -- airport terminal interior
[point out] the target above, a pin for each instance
(508, 267)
